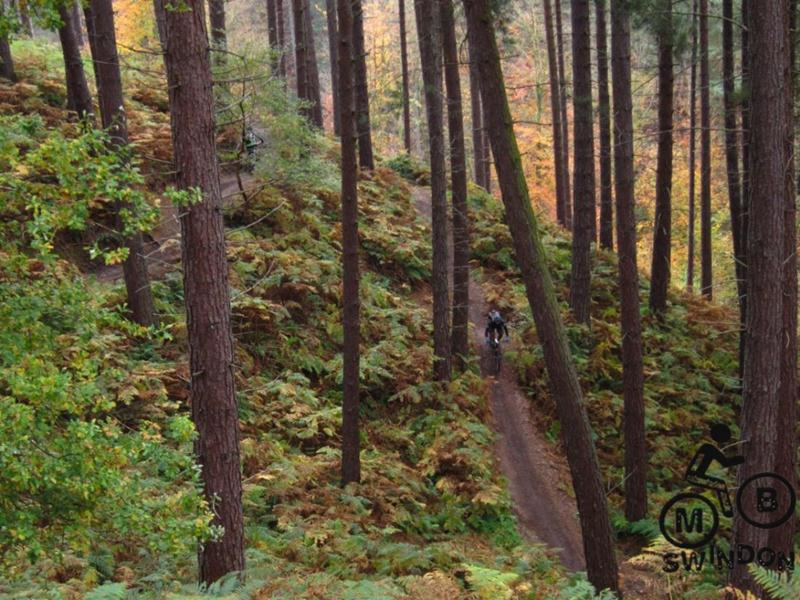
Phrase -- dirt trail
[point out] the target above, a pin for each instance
(537, 477)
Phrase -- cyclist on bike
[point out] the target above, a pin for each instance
(495, 327)
(706, 455)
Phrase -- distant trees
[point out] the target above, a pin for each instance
(429, 32)
(584, 219)
(366, 160)
(562, 82)
(404, 76)
(306, 62)
(706, 278)
(631, 324)
(351, 462)
(555, 112)
(661, 264)
(589, 490)
(79, 99)
(205, 282)
(6, 61)
(100, 26)
(604, 118)
(333, 52)
(690, 249)
(458, 168)
(480, 141)
(767, 403)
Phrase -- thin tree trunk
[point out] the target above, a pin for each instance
(333, 49)
(25, 19)
(363, 126)
(429, 30)
(706, 277)
(458, 167)
(555, 111)
(75, 14)
(404, 68)
(476, 106)
(562, 78)
(351, 463)
(632, 373)
(662, 228)
(79, 99)
(765, 358)
(91, 37)
(583, 223)
(486, 160)
(219, 39)
(589, 490)
(604, 116)
(732, 165)
(272, 36)
(301, 62)
(692, 138)
(6, 60)
(312, 68)
(281, 28)
(100, 25)
(745, 197)
(782, 538)
(205, 282)
(161, 26)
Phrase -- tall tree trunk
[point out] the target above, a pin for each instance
(161, 25)
(75, 13)
(6, 60)
(662, 228)
(301, 62)
(205, 282)
(732, 165)
(216, 19)
(79, 99)
(782, 538)
(478, 131)
(486, 160)
(746, 163)
(762, 403)
(692, 138)
(272, 36)
(562, 78)
(458, 167)
(91, 37)
(351, 464)
(100, 25)
(333, 49)
(25, 18)
(706, 278)
(632, 374)
(583, 224)
(363, 126)
(280, 17)
(404, 68)
(312, 68)
(589, 491)
(604, 117)
(555, 111)
(429, 32)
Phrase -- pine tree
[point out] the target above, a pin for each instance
(706, 276)
(604, 118)
(404, 77)
(366, 160)
(79, 99)
(555, 111)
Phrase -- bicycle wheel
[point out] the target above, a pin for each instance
(497, 360)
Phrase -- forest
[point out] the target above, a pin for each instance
(399, 299)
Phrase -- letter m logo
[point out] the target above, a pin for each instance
(689, 523)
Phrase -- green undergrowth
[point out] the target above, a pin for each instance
(100, 496)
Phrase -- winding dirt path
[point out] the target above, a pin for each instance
(538, 477)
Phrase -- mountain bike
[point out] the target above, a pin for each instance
(495, 354)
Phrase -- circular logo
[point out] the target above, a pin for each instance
(768, 498)
(689, 520)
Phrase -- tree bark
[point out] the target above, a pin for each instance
(161, 26)
(25, 19)
(91, 37)
(706, 277)
(662, 228)
(366, 159)
(732, 166)
(604, 117)
(478, 131)
(404, 68)
(429, 32)
(79, 99)
(100, 26)
(333, 49)
(458, 168)
(589, 491)
(631, 325)
(301, 62)
(555, 111)
(762, 403)
(562, 78)
(583, 224)
(312, 68)
(281, 28)
(692, 138)
(75, 13)
(351, 465)
(745, 103)
(6, 60)
(205, 281)
(272, 35)
(216, 15)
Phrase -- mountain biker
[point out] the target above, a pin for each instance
(495, 327)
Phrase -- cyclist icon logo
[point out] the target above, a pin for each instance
(690, 520)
